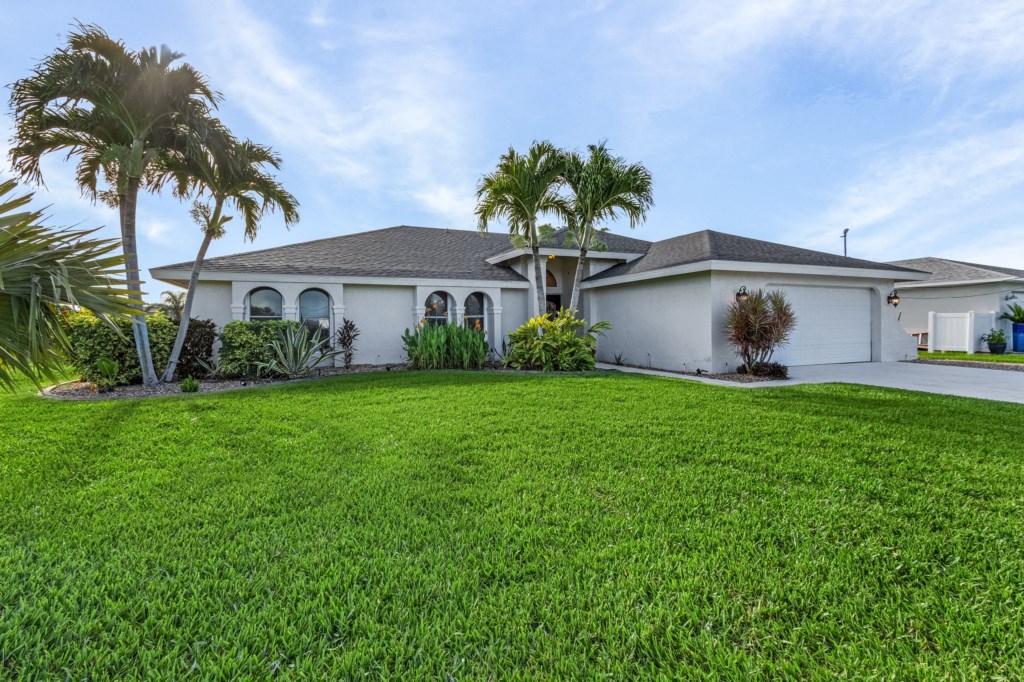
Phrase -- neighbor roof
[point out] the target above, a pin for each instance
(710, 245)
(944, 270)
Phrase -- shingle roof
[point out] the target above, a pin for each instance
(945, 270)
(710, 245)
(615, 242)
(401, 251)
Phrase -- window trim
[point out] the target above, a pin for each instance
(263, 318)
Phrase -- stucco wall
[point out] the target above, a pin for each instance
(916, 303)
(213, 302)
(514, 312)
(661, 323)
(382, 314)
(889, 341)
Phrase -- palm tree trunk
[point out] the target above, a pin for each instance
(540, 281)
(186, 310)
(128, 204)
(574, 300)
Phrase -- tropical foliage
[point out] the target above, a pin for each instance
(245, 346)
(559, 343)
(92, 341)
(445, 346)
(295, 353)
(759, 325)
(521, 189)
(228, 175)
(1015, 314)
(172, 304)
(124, 114)
(45, 272)
(348, 333)
(604, 188)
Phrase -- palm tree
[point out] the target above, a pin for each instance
(172, 304)
(522, 188)
(42, 271)
(604, 187)
(232, 174)
(119, 111)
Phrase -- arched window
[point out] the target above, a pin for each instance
(436, 308)
(315, 312)
(474, 316)
(551, 282)
(264, 304)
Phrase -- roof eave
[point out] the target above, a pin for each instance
(897, 275)
(176, 276)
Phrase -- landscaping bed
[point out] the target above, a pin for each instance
(736, 377)
(84, 390)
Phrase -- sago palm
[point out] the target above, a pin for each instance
(521, 189)
(230, 175)
(118, 111)
(604, 188)
(42, 272)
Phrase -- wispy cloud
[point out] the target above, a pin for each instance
(395, 122)
(676, 47)
(931, 198)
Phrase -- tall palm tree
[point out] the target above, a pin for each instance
(604, 187)
(171, 305)
(521, 189)
(232, 175)
(42, 271)
(118, 111)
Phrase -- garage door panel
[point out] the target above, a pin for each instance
(833, 325)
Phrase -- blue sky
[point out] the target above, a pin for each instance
(776, 119)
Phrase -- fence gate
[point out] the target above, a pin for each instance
(958, 331)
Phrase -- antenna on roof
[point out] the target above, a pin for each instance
(844, 241)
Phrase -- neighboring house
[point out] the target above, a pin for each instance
(666, 300)
(957, 287)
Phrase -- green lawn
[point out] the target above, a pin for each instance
(977, 357)
(494, 526)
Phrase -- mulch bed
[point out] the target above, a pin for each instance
(1002, 366)
(728, 376)
(80, 390)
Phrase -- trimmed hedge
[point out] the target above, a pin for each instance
(93, 339)
(198, 349)
(246, 344)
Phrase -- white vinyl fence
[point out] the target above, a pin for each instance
(958, 331)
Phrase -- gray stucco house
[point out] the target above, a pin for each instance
(665, 300)
(958, 287)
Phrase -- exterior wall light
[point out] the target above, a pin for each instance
(893, 298)
(742, 295)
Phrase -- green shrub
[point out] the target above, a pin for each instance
(108, 370)
(93, 340)
(197, 352)
(445, 346)
(189, 385)
(245, 346)
(562, 343)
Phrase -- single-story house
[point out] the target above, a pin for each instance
(958, 287)
(666, 300)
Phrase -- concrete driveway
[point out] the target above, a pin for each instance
(969, 382)
(989, 384)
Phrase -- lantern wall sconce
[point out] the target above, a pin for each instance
(893, 298)
(742, 295)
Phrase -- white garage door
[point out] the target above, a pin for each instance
(832, 325)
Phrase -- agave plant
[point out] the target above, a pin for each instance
(295, 354)
(758, 326)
